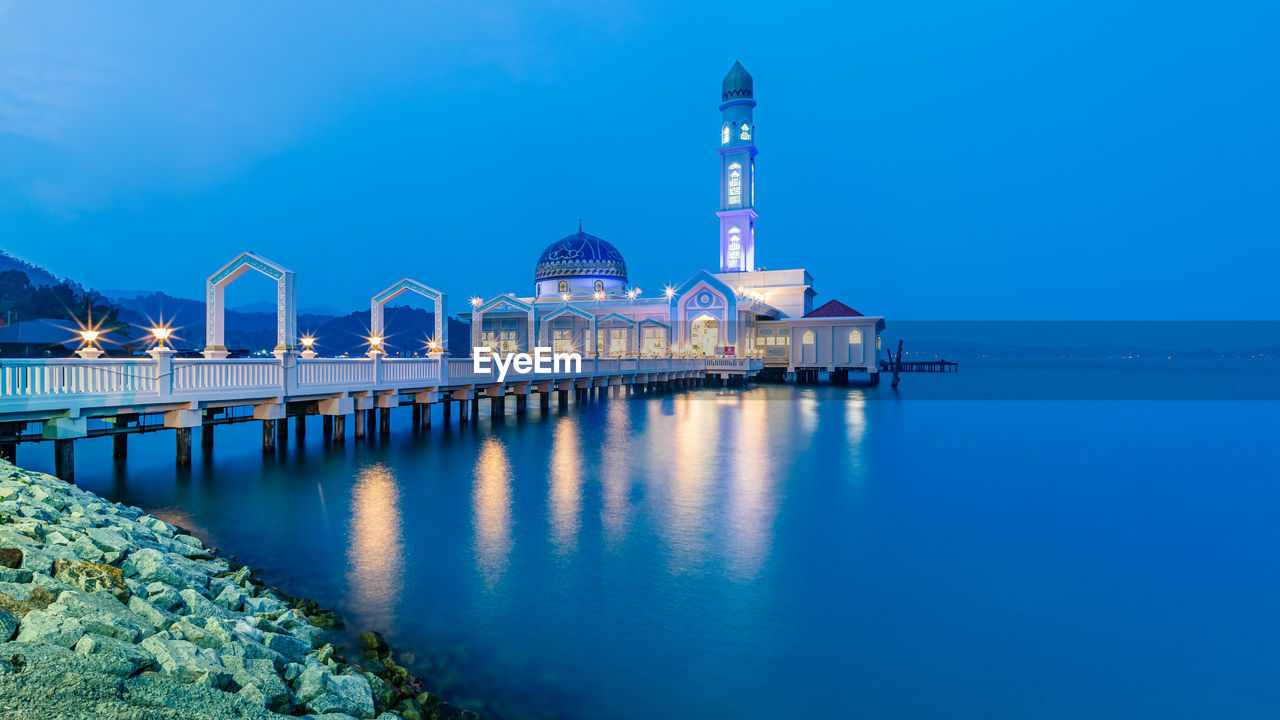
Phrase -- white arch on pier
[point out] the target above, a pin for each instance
(407, 285)
(215, 310)
(544, 325)
(504, 304)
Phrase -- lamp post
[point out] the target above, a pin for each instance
(375, 347)
(307, 343)
(160, 334)
(89, 351)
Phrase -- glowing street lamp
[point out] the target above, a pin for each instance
(631, 294)
(89, 350)
(669, 292)
(598, 295)
(476, 302)
(308, 344)
(565, 297)
(375, 346)
(160, 334)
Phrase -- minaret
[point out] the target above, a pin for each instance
(737, 173)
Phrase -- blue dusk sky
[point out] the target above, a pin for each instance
(1064, 159)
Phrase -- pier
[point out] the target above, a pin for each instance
(62, 400)
(921, 366)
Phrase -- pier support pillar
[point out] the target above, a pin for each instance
(522, 402)
(544, 400)
(475, 407)
(119, 446)
(282, 432)
(564, 398)
(300, 426)
(360, 420)
(268, 436)
(206, 437)
(370, 421)
(446, 409)
(182, 436)
(339, 428)
(384, 422)
(425, 419)
(64, 460)
(326, 427)
(416, 422)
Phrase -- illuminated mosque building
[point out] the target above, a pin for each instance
(583, 300)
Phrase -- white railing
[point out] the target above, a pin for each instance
(225, 374)
(335, 371)
(405, 369)
(73, 376)
(53, 386)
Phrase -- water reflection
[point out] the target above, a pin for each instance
(615, 470)
(752, 501)
(855, 423)
(689, 453)
(376, 551)
(566, 485)
(491, 506)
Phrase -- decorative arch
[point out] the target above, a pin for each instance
(724, 134)
(807, 337)
(215, 304)
(703, 293)
(407, 285)
(544, 325)
(855, 337)
(735, 184)
(502, 303)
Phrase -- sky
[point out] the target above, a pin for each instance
(925, 160)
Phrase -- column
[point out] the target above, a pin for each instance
(64, 460)
(183, 446)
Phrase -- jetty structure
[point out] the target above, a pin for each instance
(739, 321)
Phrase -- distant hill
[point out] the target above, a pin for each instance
(36, 274)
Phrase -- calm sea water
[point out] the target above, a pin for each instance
(776, 551)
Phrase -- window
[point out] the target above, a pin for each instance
(655, 341)
(599, 341)
(735, 184)
(807, 337)
(746, 132)
(599, 286)
(618, 341)
(735, 247)
(724, 135)
(855, 337)
(487, 340)
(562, 341)
(507, 342)
(564, 286)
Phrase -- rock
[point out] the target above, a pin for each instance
(252, 694)
(8, 626)
(10, 557)
(91, 576)
(102, 613)
(11, 575)
(152, 566)
(262, 675)
(107, 540)
(263, 605)
(195, 634)
(348, 694)
(231, 598)
(289, 646)
(159, 619)
(187, 663)
(47, 627)
(165, 598)
(123, 658)
(200, 607)
(374, 642)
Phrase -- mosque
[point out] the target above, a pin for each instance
(583, 300)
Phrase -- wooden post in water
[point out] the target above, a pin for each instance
(339, 428)
(360, 420)
(120, 440)
(182, 436)
(64, 460)
(384, 422)
(268, 436)
(206, 436)
(425, 419)
(897, 366)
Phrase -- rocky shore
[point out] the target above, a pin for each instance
(107, 612)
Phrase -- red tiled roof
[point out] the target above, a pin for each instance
(833, 308)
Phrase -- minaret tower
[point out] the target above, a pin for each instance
(737, 173)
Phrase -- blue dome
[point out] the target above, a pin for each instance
(737, 84)
(580, 255)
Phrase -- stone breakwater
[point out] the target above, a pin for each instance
(108, 612)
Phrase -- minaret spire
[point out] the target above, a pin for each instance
(737, 172)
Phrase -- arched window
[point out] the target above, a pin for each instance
(855, 337)
(735, 247)
(724, 135)
(599, 286)
(746, 132)
(564, 286)
(807, 337)
(735, 184)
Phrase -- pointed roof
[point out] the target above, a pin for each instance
(833, 308)
(737, 84)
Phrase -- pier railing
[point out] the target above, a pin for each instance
(45, 386)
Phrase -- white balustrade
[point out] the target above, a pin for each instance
(76, 376)
(335, 371)
(225, 374)
(407, 369)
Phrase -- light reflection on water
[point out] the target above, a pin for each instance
(491, 505)
(375, 573)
